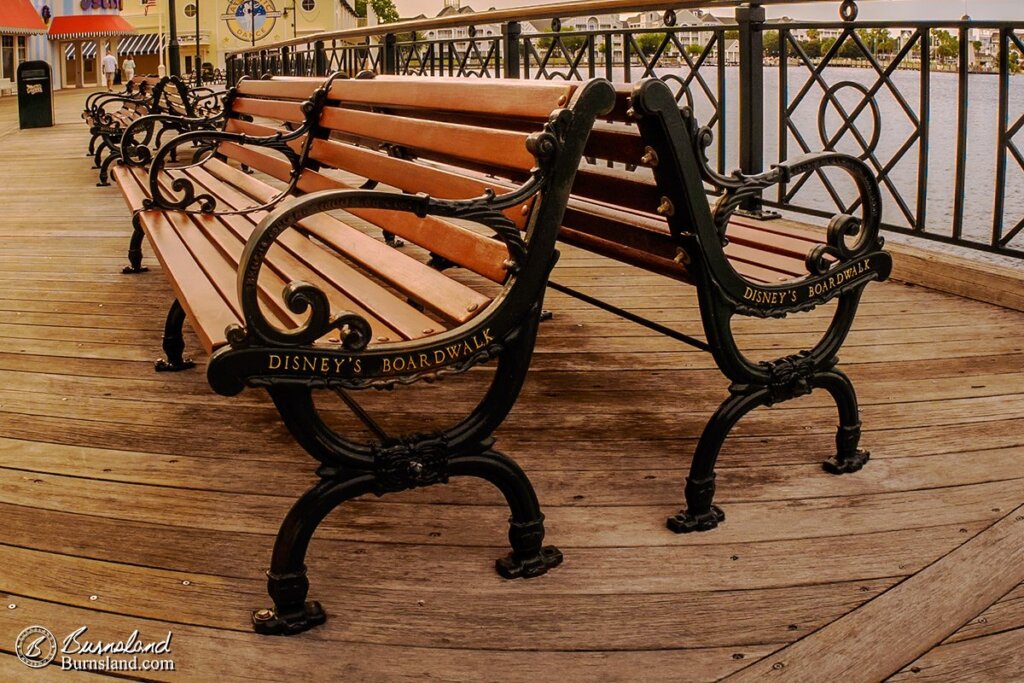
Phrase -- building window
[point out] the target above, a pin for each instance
(308, 5)
(7, 57)
(190, 10)
(22, 49)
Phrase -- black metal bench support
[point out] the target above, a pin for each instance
(850, 257)
(393, 464)
(174, 342)
(135, 249)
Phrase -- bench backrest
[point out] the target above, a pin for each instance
(449, 139)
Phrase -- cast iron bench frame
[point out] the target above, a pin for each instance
(505, 332)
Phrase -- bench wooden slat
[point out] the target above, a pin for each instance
(280, 88)
(517, 99)
(273, 164)
(410, 176)
(278, 110)
(350, 289)
(250, 128)
(504, 149)
(471, 250)
(208, 312)
(439, 293)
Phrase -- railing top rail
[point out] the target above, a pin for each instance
(555, 10)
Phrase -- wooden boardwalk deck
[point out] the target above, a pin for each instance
(132, 500)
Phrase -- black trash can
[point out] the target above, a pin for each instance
(35, 95)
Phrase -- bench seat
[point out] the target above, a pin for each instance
(392, 295)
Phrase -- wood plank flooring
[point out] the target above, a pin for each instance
(135, 500)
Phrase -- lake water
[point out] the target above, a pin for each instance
(895, 129)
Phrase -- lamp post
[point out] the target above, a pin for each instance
(199, 54)
(172, 52)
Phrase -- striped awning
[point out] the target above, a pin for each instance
(76, 27)
(142, 44)
(19, 17)
(89, 49)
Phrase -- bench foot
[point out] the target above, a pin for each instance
(528, 558)
(700, 514)
(392, 240)
(291, 613)
(685, 522)
(133, 270)
(173, 366)
(848, 457)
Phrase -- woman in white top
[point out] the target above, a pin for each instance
(128, 68)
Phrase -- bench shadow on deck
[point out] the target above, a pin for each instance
(132, 500)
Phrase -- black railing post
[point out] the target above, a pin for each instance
(263, 63)
(284, 62)
(510, 33)
(389, 60)
(750, 19)
(963, 71)
(320, 58)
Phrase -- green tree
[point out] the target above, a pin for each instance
(384, 9)
(694, 50)
(877, 40)
(650, 42)
(771, 43)
(947, 46)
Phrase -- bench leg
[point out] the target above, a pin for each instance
(700, 513)
(288, 584)
(848, 457)
(97, 157)
(105, 169)
(174, 342)
(286, 581)
(135, 249)
(529, 556)
(92, 145)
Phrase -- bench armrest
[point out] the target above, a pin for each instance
(849, 257)
(135, 141)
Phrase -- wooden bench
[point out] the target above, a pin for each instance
(662, 222)
(101, 106)
(297, 295)
(153, 109)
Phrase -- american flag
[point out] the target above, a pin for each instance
(147, 4)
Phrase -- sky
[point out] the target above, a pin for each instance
(869, 9)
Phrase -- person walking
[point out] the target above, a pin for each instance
(128, 69)
(109, 68)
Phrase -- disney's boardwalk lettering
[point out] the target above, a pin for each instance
(349, 366)
(766, 297)
(416, 362)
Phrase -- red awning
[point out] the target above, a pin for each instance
(89, 26)
(19, 16)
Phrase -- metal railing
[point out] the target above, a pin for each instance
(935, 114)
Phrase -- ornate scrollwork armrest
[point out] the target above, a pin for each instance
(200, 141)
(135, 141)
(302, 296)
(737, 187)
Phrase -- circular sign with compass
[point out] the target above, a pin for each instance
(251, 20)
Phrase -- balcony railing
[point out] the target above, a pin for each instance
(935, 107)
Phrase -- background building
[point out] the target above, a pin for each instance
(73, 35)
